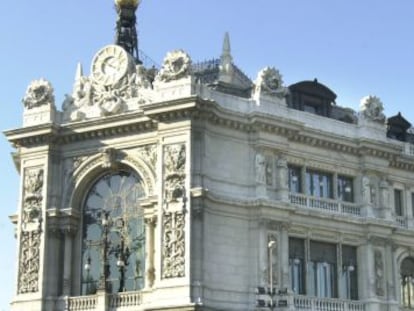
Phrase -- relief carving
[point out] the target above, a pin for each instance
(30, 236)
(173, 218)
(173, 250)
(149, 154)
(174, 172)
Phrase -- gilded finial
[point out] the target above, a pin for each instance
(127, 3)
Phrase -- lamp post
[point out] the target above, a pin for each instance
(122, 253)
(105, 223)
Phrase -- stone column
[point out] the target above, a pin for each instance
(303, 180)
(68, 234)
(150, 224)
(284, 255)
(385, 204)
(335, 185)
(260, 174)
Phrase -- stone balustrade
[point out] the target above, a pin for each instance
(305, 303)
(325, 204)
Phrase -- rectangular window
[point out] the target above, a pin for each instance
(295, 180)
(322, 268)
(345, 187)
(297, 265)
(319, 184)
(398, 202)
(349, 272)
(412, 203)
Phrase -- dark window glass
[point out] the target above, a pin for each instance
(318, 184)
(297, 265)
(398, 203)
(349, 272)
(113, 228)
(412, 203)
(323, 269)
(345, 187)
(407, 282)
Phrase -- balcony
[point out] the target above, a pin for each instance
(127, 301)
(306, 303)
(324, 204)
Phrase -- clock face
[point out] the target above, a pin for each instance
(110, 65)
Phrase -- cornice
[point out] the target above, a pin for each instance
(195, 108)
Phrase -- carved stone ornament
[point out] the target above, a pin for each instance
(177, 65)
(173, 218)
(39, 93)
(372, 109)
(260, 167)
(109, 156)
(115, 80)
(32, 199)
(379, 273)
(149, 154)
(174, 172)
(173, 248)
(30, 236)
(269, 82)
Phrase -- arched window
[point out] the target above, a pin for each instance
(407, 282)
(113, 239)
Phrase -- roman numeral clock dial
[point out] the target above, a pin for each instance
(110, 65)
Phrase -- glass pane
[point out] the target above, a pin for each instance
(113, 228)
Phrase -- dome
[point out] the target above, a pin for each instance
(123, 3)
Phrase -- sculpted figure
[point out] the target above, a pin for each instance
(372, 108)
(39, 92)
(177, 65)
(366, 189)
(260, 163)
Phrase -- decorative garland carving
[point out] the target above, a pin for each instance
(30, 237)
(173, 218)
(173, 250)
(269, 82)
(177, 65)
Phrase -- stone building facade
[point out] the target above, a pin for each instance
(191, 187)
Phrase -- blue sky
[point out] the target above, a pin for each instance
(355, 47)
